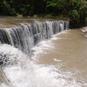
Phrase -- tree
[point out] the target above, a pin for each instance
(83, 12)
(76, 10)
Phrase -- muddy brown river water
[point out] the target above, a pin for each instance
(70, 48)
(67, 50)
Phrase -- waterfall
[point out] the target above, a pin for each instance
(16, 69)
(25, 36)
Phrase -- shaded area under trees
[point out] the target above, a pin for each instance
(75, 10)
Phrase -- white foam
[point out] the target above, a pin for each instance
(41, 48)
(39, 76)
(44, 46)
(12, 54)
(56, 60)
(29, 74)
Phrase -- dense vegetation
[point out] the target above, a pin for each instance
(75, 10)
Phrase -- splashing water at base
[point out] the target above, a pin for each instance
(25, 73)
(39, 76)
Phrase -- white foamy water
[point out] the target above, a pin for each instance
(39, 76)
(25, 73)
(10, 55)
(42, 46)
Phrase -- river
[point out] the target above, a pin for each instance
(59, 61)
(68, 48)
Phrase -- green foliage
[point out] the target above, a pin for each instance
(76, 10)
(74, 18)
(6, 9)
(55, 3)
(73, 14)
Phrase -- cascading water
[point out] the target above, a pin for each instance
(17, 72)
(25, 36)
(16, 68)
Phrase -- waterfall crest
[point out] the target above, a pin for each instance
(24, 36)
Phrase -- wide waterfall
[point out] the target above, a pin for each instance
(18, 71)
(26, 35)
(20, 46)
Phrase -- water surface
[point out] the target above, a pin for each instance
(58, 62)
(69, 48)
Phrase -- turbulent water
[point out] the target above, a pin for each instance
(25, 36)
(20, 48)
(24, 73)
